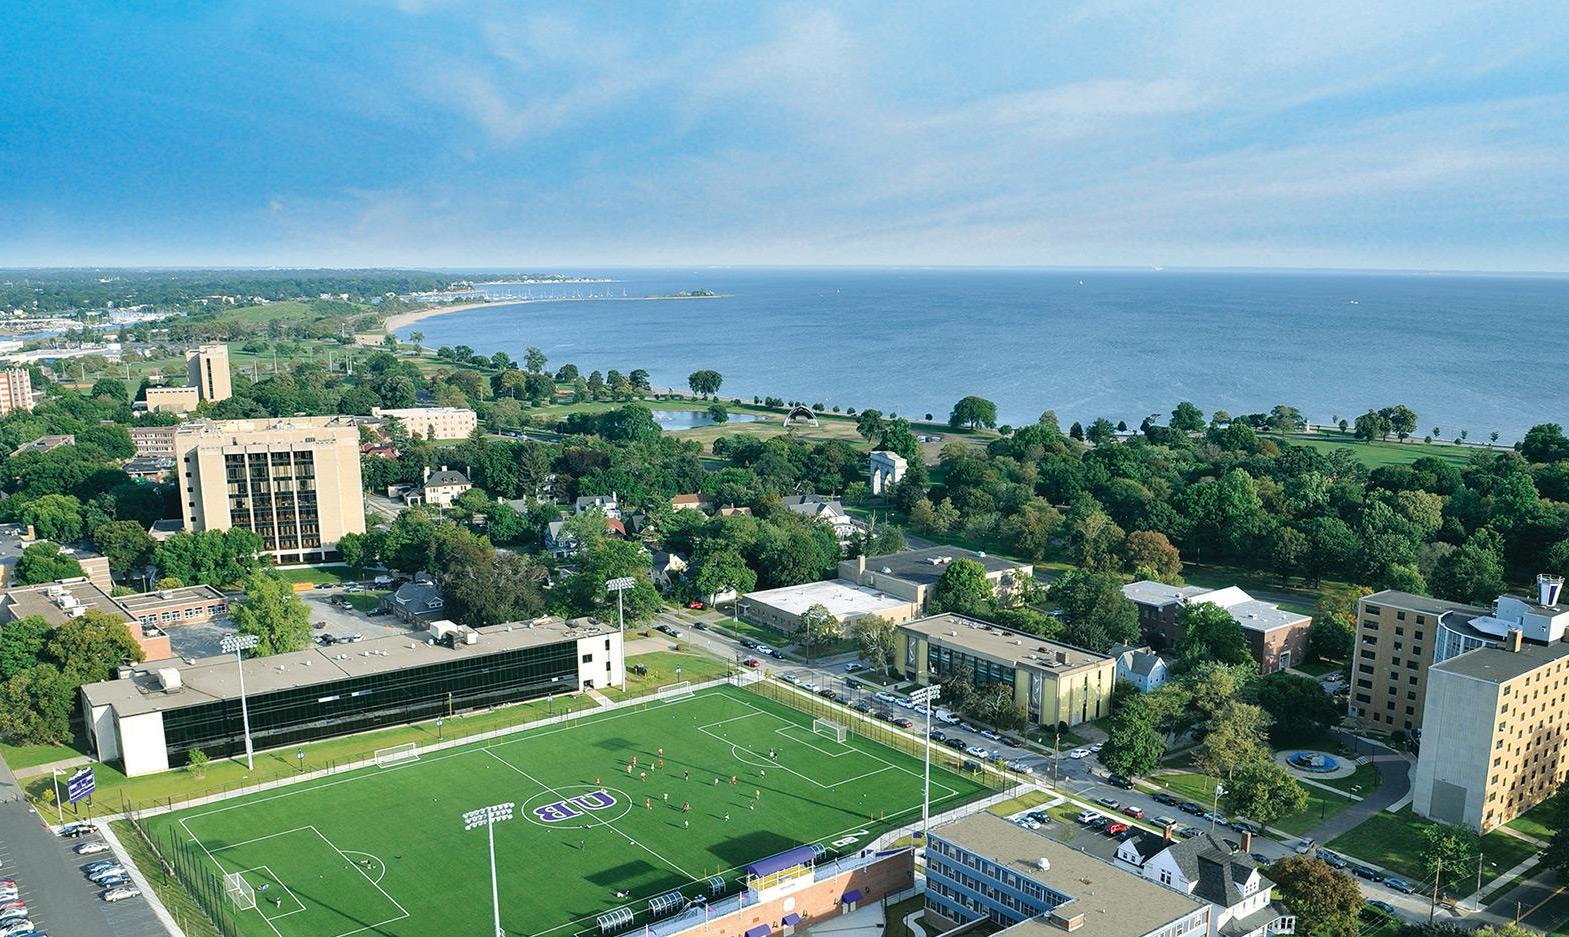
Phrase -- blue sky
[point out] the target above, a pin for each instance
(1397, 135)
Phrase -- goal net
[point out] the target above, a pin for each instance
(397, 754)
(680, 690)
(827, 727)
(239, 891)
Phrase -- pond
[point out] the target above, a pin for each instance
(692, 419)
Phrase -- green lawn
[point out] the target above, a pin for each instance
(695, 668)
(1023, 802)
(364, 601)
(1394, 841)
(1361, 783)
(1201, 789)
(385, 849)
(317, 574)
(896, 913)
(1532, 823)
(28, 756)
(1376, 454)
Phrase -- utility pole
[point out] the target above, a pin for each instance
(1432, 908)
(1214, 811)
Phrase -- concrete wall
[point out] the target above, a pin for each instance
(142, 744)
(593, 668)
(1457, 747)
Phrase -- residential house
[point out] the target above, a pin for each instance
(827, 510)
(442, 488)
(609, 504)
(693, 502)
(560, 543)
(1241, 900)
(1140, 666)
(416, 602)
(666, 569)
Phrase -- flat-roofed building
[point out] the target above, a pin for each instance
(1052, 683)
(16, 390)
(984, 868)
(207, 370)
(782, 608)
(1399, 636)
(180, 400)
(1277, 637)
(166, 608)
(295, 481)
(432, 422)
(153, 718)
(67, 599)
(46, 443)
(153, 442)
(912, 574)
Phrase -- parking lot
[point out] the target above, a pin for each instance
(201, 640)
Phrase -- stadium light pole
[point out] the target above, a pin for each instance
(925, 697)
(235, 643)
(619, 585)
(488, 817)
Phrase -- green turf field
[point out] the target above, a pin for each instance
(384, 849)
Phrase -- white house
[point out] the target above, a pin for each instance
(665, 569)
(827, 510)
(1140, 666)
(1241, 899)
(610, 504)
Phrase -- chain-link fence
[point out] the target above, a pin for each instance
(181, 865)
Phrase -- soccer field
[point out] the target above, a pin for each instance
(384, 849)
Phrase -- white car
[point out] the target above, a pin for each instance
(12, 915)
(124, 891)
(808, 685)
(1097, 747)
(17, 928)
(114, 871)
(977, 751)
(790, 678)
(989, 734)
(763, 649)
(1078, 753)
(88, 849)
(1028, 824)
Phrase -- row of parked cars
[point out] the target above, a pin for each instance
(15, 916)
(111, 878)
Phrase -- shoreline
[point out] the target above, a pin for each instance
(402, 319)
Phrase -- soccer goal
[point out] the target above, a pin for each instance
(828, 727)
(682, 690)
(239, 891)
(397, 754)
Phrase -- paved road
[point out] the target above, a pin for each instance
(1394, 770)
(1540, 902)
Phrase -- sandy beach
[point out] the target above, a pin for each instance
(409, 318)
(402, 319)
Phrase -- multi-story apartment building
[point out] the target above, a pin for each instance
(153, 442)
(1398, 636)
(294, 481)
(179, 400)
(207, 370)
(1278, 638)
(1053, 683)
(1495, 739)
(432, 422)
(16, 390)
(984, 868)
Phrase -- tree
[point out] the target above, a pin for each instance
(43, 562)
(1133, 747)
(22, 644)
(211, 557)
(1402, 420)
(36, 705)
(1474, 572)
(274, 614)
(1371, 425)
(1150, 550)
(973, 412)
(1285, 419)
(876, 637)
(1556, 855)
(196, 759)
(718, 413)
(1448, 846)
(534, 359)
(91, 647)
(1334, 625)
(54, 517)
(351, 548)
(1100, 432)
(126, 545)
(722, 570)
(585, 592)
(962, 588)
(1233, 737)
(481, 585)
(1096, 614)
(1097, 542)
(818, 628)
(1209, 633)
(1301, 710)
(1544, 442)
(1262, 790)
(705, 382)
(1325, 899)
(1187, 418)
(870, 424)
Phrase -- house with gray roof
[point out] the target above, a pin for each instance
(1140, 666)
(911, 574)
(415, 602)
(1240, 898)
(825, 509)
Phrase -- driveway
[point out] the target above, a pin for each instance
(1394, 772)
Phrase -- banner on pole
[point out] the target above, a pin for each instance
(80, 785)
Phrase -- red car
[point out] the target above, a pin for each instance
(752, 662)
(1133, 811)
(1116, 829)
(694, 605)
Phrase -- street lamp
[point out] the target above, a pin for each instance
(1215, 810)
(439, 723)
(488, 817)
(619, 585)
(299, 757)
(924, 697)
(234, 644)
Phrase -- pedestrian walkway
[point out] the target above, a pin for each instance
(63, 765)
(599, 698)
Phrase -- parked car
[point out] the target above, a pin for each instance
(853, 683)
(1099, 823)
(885, 696)
(841, 698)
(854, 666)
(989, 734)
(748, 643)
(956, 743)
(904, 722)
(114, 871)
(1027, 823)
(1362, 871)
(694, 604)
(1165, 798)
(752, 662)
(1331, 859)
(1378, 905)
(1134, 811)
(789, 678)
(1303, 845)
(121, 893)
(1078, 753)
(1085, 816)
(884, 714)
(826, 693)
(97, 864)
(1011, 740)
(1039, 816)
(861, 706)
(1109, 803)
(88, 849)
(776, 654)
(1400, 885)
(700, 626)
(113, 881)
(1116, 828)
(971, 765)
(73, 830)
(12, 915)
(977, 751)
(351, 638)
(1117, 780)
(967, 727)
(808, 685)
(18, 928)
(1189, 807)
(763, 649)
(1097, 747)
(1188, 832)
(938, 735)
(1259, 858)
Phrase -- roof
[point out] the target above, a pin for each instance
(144, 464)
(1499, 664)
(55, 601)
(1113, 901)
(1215, 870)
(1420, 603)
(446, 476)
(136, 604)
(690, 499)
(215, 678)
(841, 597)
(1003, 644)
(800, 855)
(927, 565)
(1245, 610)
(419, 598)
(663, 561)
(46, 443)
(1140, 660)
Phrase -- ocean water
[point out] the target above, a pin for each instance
(1480, 353)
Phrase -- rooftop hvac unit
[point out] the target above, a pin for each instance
(169, 678)
(1043, 863)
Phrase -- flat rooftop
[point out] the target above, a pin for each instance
(54, 601)
(1114, 902)
(1428, 605)
(1252, 614)
(165, 597)
(215, 678)
(843, 598)
(927, 566)
(998, 643)
(1499, 664)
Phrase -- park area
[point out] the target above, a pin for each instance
(721, 778)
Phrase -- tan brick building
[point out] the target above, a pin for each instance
(1397, 637)
(294, 481)
(16, 390)
(432, 422)
(171, 399)
(153, 442)
(207, 370)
